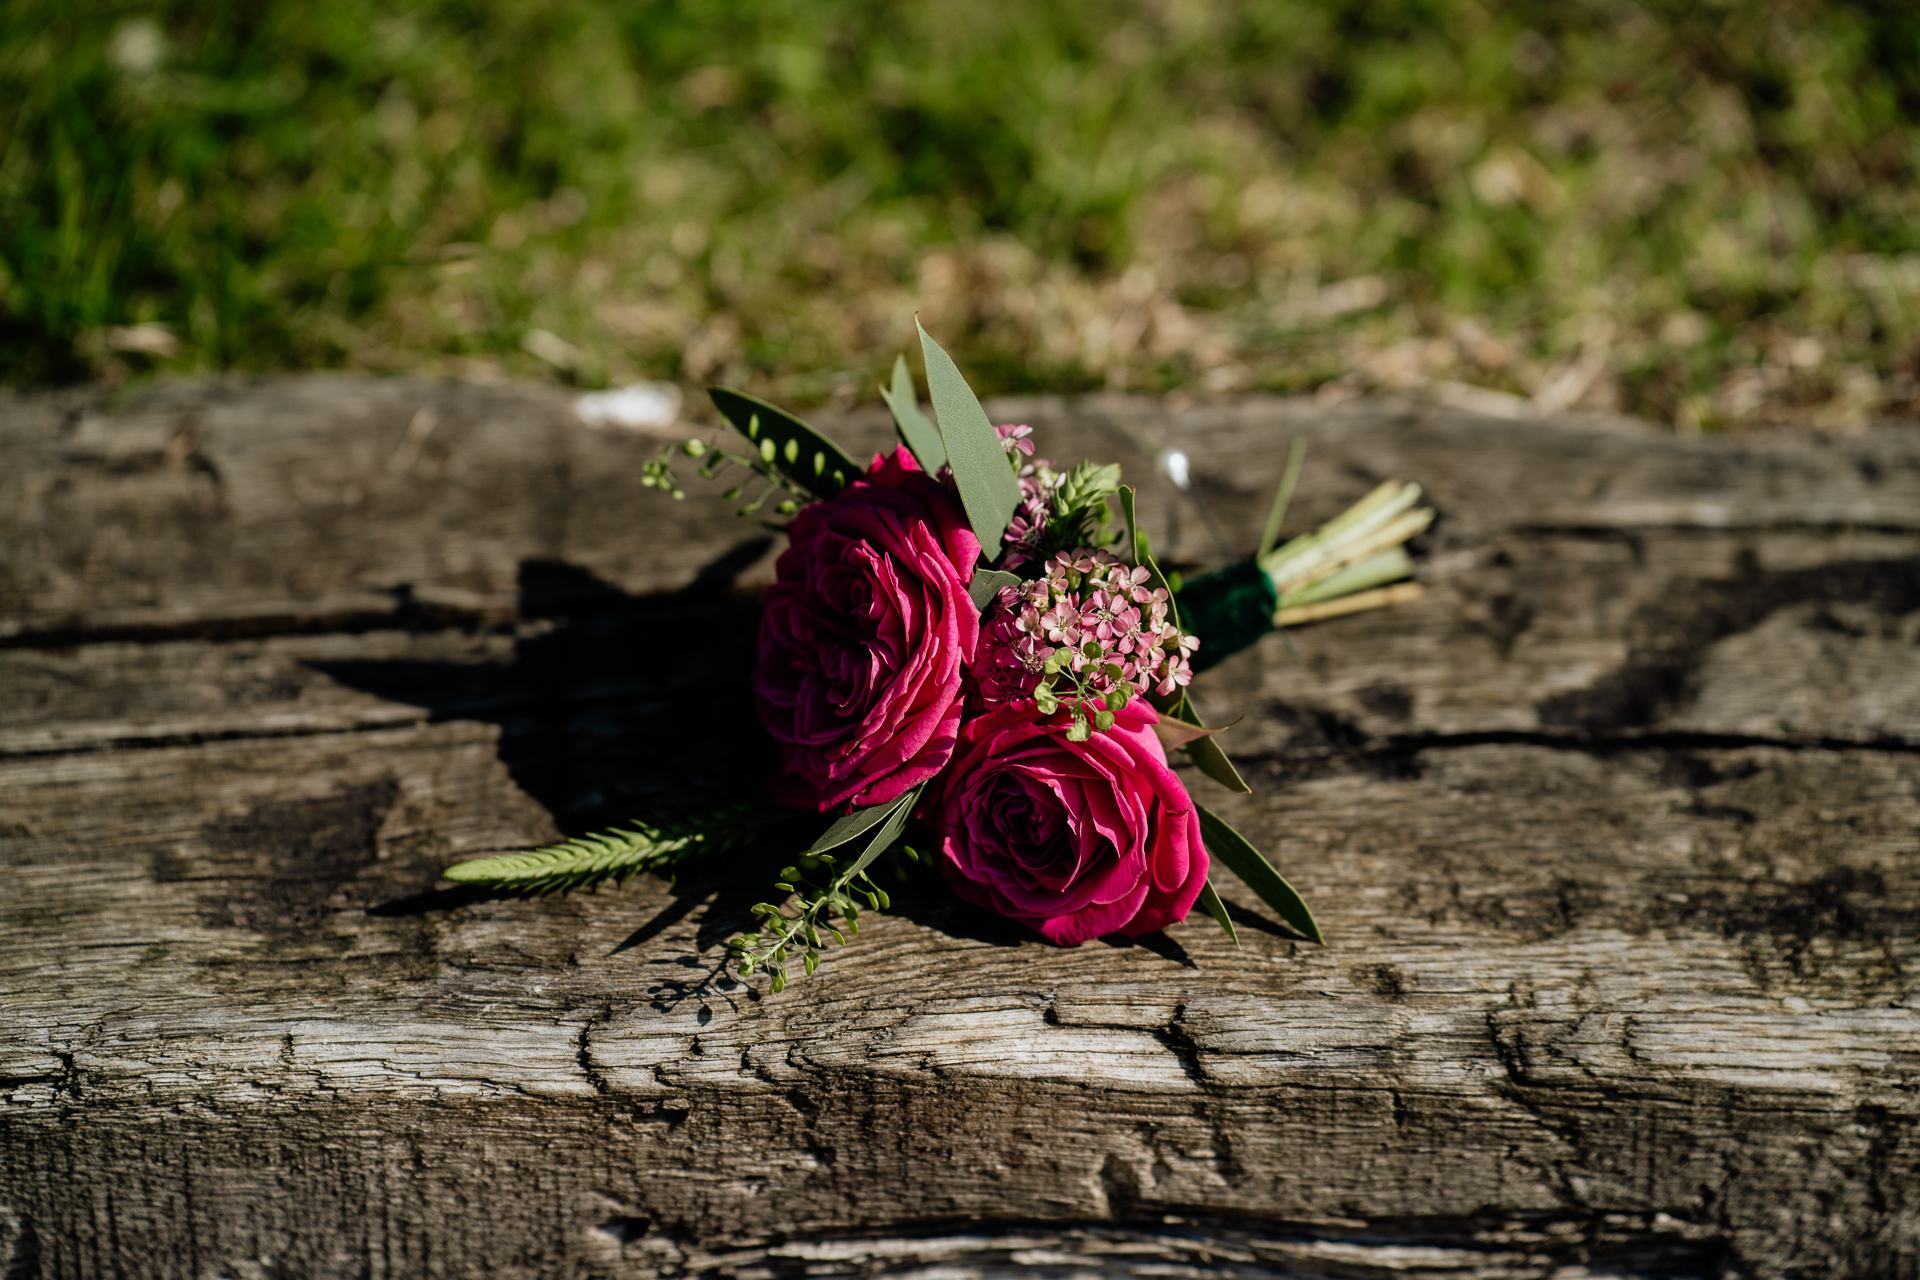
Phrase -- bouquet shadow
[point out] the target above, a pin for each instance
(612, 707)
(617, 706)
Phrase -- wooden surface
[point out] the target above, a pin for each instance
(1614, 838)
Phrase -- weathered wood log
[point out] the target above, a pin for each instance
(1613, 836)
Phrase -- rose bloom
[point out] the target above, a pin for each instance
(866, 629)
(1075, 839)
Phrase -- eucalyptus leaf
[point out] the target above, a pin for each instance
(889, 832)
(916, 430)
(858, 823)
(1247, 862)
(808, 460)
(987, 583)
(1205, 753)
(988, 489)
(1208, 757)
(1175, 732)
(1218, 910)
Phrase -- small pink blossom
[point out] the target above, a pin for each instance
(1083, 597)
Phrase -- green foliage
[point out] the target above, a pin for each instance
(823, 885)
(1089, 710)
(1206, 754)
(1247, 862)
(805, 461)
(788, 457)
(1210, 900)
(888, 816)
(981, 472)
(582, 863)
(920, 436)
(987, 584)
(1085, 489)
(820, 890)
(1080, 516)
(1143, 552)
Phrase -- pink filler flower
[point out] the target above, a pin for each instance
(1075, 839)
(867, 628)
(1084, 594)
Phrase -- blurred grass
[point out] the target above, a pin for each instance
(1706, 213)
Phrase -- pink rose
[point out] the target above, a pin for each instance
(1076, 839)
(865, 632)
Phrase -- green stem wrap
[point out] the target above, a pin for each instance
(1228, 610)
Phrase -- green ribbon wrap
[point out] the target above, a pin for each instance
(1228, 610)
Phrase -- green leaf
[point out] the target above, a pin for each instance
(889, 831)
(1206, 754)
(1143, 555)
(1210, 759)
(809, 461)
(985, 478)
(856, 824)
(1175, 732)
(1247, 862)
(1218, 910)
(987, 583)
(574, 864)
(920, 436)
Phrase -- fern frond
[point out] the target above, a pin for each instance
(579, 863)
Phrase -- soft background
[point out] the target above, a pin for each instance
(1706, 213)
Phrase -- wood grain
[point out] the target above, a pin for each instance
(1613, 835)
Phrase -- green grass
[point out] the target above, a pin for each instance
(1706, 213)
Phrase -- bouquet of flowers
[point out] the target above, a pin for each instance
(965, 659)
